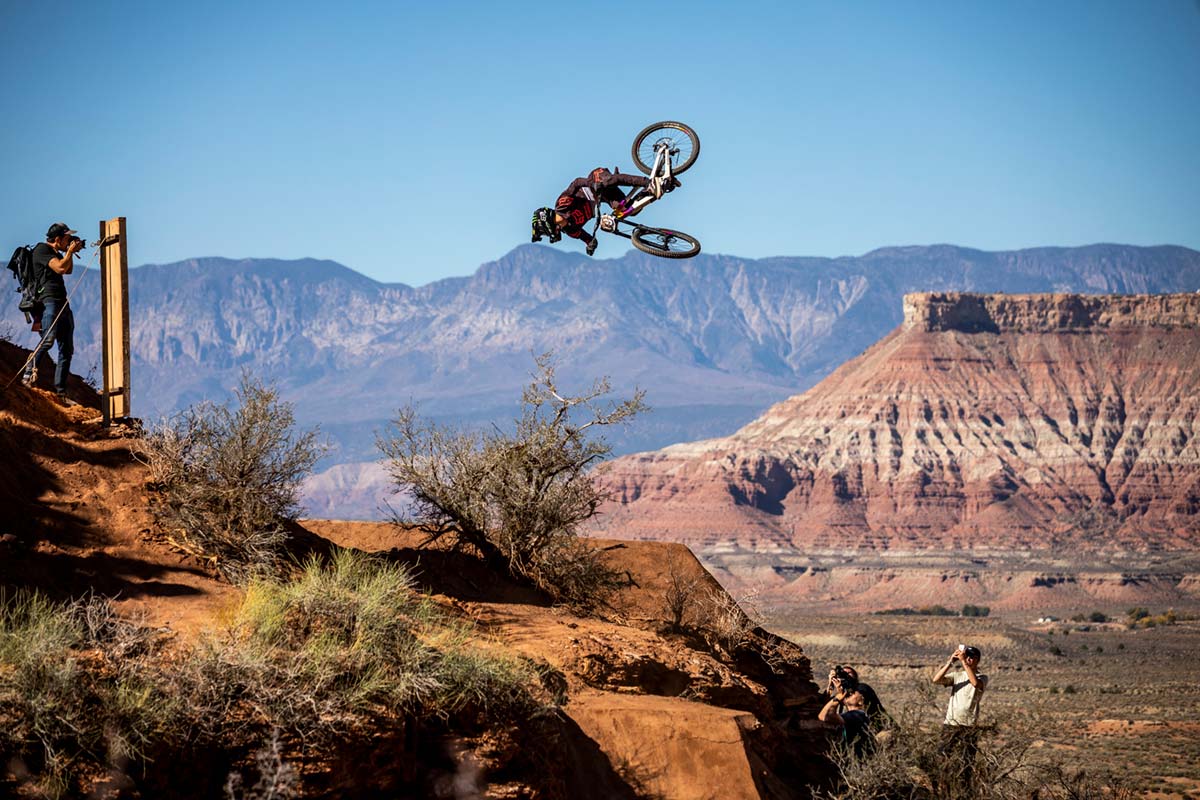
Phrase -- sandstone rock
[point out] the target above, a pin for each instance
(983, 423)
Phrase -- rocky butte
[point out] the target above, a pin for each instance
(1041, 431)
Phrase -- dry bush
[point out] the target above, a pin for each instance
(516, 498)
(684, 588)
(229, 477)
(73, 695)
(724, 621)
(345, 644)
(277, 779)
(911, 762)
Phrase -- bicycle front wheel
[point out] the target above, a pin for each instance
(682, 143)
(665, 243)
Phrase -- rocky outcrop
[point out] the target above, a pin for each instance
(1047, 313)
(984, 423)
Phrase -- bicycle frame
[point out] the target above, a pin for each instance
(639, 198)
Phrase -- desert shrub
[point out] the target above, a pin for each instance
(1142, 618)
(683, 590)
(931, 611)
(975, 611)
(343, 644)
(912, 761)
(936, 611)
(517, 498)
(277, 779)
(1098, 616)
(723, 620)
(72, 695)
(229, 477)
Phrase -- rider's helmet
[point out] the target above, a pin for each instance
(544, 224)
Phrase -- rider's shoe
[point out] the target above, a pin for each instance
(29, 378)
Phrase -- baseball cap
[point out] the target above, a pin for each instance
(59, 229)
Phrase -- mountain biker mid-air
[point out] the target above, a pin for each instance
(577, 204)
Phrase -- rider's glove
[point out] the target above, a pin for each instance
(671, 183)
(591, 247)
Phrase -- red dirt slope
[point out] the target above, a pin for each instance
(76, 513)
(646, 711)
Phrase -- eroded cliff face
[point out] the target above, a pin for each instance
(1048, 422)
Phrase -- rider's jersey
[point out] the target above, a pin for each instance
(578, 201)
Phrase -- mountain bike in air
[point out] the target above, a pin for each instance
(661, 151)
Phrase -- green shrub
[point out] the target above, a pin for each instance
(517, 499)
(342, 645)
(1141, 618)
(229, 478)
(72, 693)
(976, 611)
(1098, 616)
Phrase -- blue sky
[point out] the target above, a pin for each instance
(411, 141)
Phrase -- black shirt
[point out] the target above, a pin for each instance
(854, 729)
(51, 282)
(871, 703)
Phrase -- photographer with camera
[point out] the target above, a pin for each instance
(960, 731)
(53, 259)
(875, 711)
(846, 709)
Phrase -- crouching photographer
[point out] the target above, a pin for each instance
(53, 259)
(846, 709)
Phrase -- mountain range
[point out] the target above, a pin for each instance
(714, 340)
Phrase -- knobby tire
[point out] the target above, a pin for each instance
(658, 242)
(676, 169)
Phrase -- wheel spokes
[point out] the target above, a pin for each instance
(664, 240)
(679, 145)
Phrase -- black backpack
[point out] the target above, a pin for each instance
(29, 284)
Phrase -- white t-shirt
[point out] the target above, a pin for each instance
(964, 698)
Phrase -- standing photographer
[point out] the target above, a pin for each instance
(960, 731)
(53, 259)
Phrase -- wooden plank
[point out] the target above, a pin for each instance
(114, 289)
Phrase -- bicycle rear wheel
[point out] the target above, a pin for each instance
(665, 243)
(682, 142)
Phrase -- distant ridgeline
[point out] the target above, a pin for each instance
(714, 340)
(1047, 313)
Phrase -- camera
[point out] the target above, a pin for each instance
(847, 681)
(82, 242)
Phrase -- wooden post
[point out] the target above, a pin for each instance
(114, 319)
